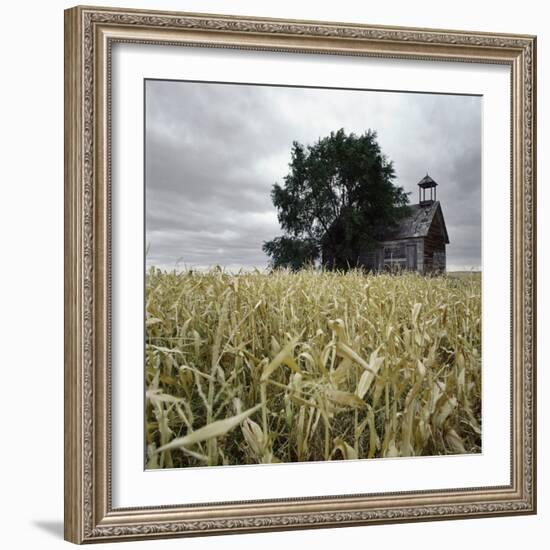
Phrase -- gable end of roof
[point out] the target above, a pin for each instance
(417, 223)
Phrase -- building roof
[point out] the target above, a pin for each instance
(417, 223)
(426, 182)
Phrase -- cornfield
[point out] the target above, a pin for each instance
(260, 367)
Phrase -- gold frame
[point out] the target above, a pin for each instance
(89, 35)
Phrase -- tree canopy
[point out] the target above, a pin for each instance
(339, 194)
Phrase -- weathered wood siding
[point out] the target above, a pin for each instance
(434, 247)
(370, 258)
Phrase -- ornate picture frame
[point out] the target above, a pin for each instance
(90, 34)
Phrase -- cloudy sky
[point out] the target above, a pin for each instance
(213, 152)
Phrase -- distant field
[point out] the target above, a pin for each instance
(308, 366)
(464, 274)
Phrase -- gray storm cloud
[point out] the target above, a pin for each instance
(213, 152)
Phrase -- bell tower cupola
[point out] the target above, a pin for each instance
(427, 191)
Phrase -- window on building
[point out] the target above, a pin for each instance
(395, 257)
(395, 252)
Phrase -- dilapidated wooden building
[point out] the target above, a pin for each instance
(416, 243)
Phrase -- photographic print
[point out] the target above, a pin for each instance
(273, 274)
(313, 274)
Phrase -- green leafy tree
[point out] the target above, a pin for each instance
(338, 195)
